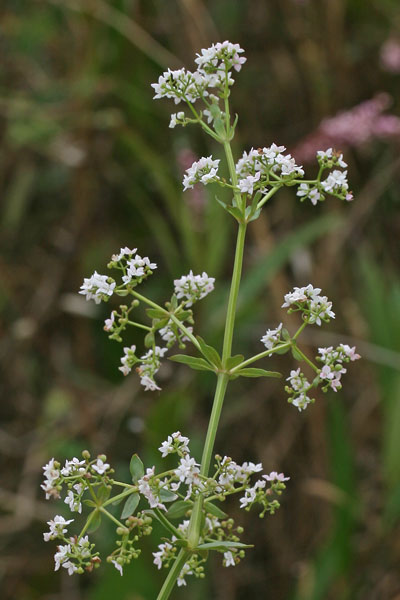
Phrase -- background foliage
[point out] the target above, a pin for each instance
(87, 164)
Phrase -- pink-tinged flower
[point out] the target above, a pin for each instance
(274, 476)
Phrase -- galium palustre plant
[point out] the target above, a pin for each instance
(187, 499)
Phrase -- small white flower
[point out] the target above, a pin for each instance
(122, 253)
(61, 555)
(57, 527)
(246, 185)
(175, 442)
(128, 360)
(109, 323)
(188, 470)
(73, 503)
(193, 287)
(229, 561)
(202, 171)
(272, 337)
(100, 467)
(117, 566)
(274, 476)
(97, 287)
(149, 384)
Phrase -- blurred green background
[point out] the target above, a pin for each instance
(88, 164)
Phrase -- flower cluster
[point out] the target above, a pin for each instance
(298, 388)
(333, 360)
(179, 487)
(314, 307)
(272, 337)
(203, 171)
(97, 287)
(149, 365)
(214, 71)
(266, 165)
(193, 287)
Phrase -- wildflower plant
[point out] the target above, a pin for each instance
(186, 499)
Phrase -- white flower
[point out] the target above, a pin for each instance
(175, 442)
(97, 287)
(70, 567)
(61, 555)
(335, 182)
(186, 570)
(137, 268)
(246, 185)
(193, 287)
(219, 55)
(188, 470)
(128, 360)
(164, 553)
(272, 337)
(202, 171)
(123, 252)
(251, 494)
(176, 119)
(274, 476)
(117, 566)
(149, 384)
(146, 490)
(57, 528)
(52, 474)
(349, 352)
(100, 467)
(73, 503)
(298, 388)
(306, 191)
(73, 466)
(316, 308)
(180, 85)
(109, 323)
(229, 561)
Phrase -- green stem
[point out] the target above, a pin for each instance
(87, 524)
(186, 331)
(138, 325)
(234, 291)
(268, 196)
(259, 356)
(120, 496)
(111, 517)
(308, 361)
(167, 524)
(173, 575)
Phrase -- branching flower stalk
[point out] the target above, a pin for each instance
(188, 493)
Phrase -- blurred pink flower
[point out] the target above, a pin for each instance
(390, 55)
(353, 127)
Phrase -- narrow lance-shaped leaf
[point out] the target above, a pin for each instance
(257, 373)
(199, 364)
(136, 468)
(130, 505)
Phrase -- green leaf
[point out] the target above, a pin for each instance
(103, 493)
(167, 496)
(296, 354)
(254, 215)
(136, 468)
(285, 335)
(89, 503)
(130, 505)
(257, 373)
(95, 522)
(234, 361)
(149, 340)
(235, 212)
(194, 363)
(222, 545)
(210, 353)
(155, 313)
(179, 509)
(221, 202)
(215, 510)
(219, 127)
(283, 351)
